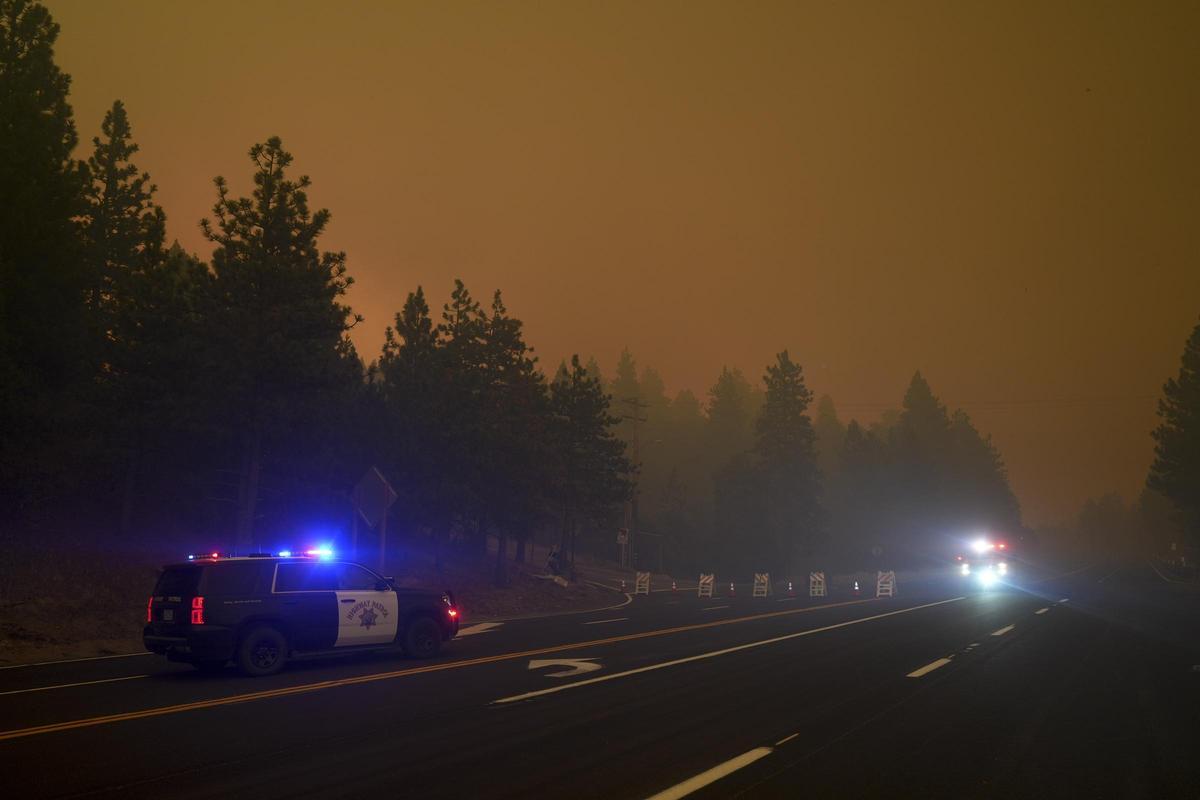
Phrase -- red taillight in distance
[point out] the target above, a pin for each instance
(197, 610)
(150, 609)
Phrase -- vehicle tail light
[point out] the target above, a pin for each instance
(453, 612)
(150, 609)
(197, 610)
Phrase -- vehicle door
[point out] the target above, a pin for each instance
(367, 614)
(306, 592)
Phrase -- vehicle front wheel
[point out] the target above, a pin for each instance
(422, 638)
(262, 651)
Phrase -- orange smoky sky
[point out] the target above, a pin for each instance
(1002, 195)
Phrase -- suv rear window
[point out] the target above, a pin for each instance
(229, 579)
(177, 581)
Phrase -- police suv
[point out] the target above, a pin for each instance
(260, 610)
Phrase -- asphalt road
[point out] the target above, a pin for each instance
(1084, 684)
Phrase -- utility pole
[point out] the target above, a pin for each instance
(636, 406)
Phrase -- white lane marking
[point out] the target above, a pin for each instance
(1065, 599)
(1109, 575)
(712, 608)
(1003, 630)
(715, 653)
(972, 644)
(928, 668)
(603, 621)
(1042, 610)
(786, 739)
(698, 782)
(74, 660)
(69, 685)
(786, 599)
(1164, 577)
(478, 627)
(578, 666)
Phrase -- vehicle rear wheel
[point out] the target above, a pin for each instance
(209, 666)
(422, 638)
(262, 651)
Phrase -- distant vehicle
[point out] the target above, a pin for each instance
(261, 610)
(986, 564)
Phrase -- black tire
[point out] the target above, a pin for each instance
(422, 637)
(209, 666)
(262, 651)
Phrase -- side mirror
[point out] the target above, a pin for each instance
(383, 585)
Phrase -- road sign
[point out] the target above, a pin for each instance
(762, 584)
(578, 666)
(641, 583)
(705, 587)
(885, 584)
(372, 497)
(816, 584)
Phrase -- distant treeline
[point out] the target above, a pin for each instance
(149, 393)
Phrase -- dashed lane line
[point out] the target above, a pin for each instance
(698, 782)
(713, 608)
(1042, 610)
(1003, 630)
(286, 691)
(928, 668)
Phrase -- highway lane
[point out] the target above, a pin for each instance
(817, 675)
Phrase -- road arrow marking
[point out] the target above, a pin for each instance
(478, 627)
(578, 666)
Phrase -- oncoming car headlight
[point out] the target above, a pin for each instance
(987, 577)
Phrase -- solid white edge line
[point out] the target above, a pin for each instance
(713, 608)
(602, 621)
(715, 653)
(698, 782)
(1042, 610)
(69, 685)
(1003, 630)
(74, 660)
(928, 668)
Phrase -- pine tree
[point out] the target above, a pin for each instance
(592, 471)
(278, 324)
(786, 450)
(1175, 472)
(48, 344)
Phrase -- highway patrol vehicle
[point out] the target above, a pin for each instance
(261, 610)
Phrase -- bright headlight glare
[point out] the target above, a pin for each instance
(966, 569)
(1003, 568)
(987, 578)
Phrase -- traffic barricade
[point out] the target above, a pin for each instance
(762, 584)
(885, 584)
(816, 584)
(705, 587)
(641, 583)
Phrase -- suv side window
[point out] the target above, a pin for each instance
(356, 578)
(306, 577)
(237, 578)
